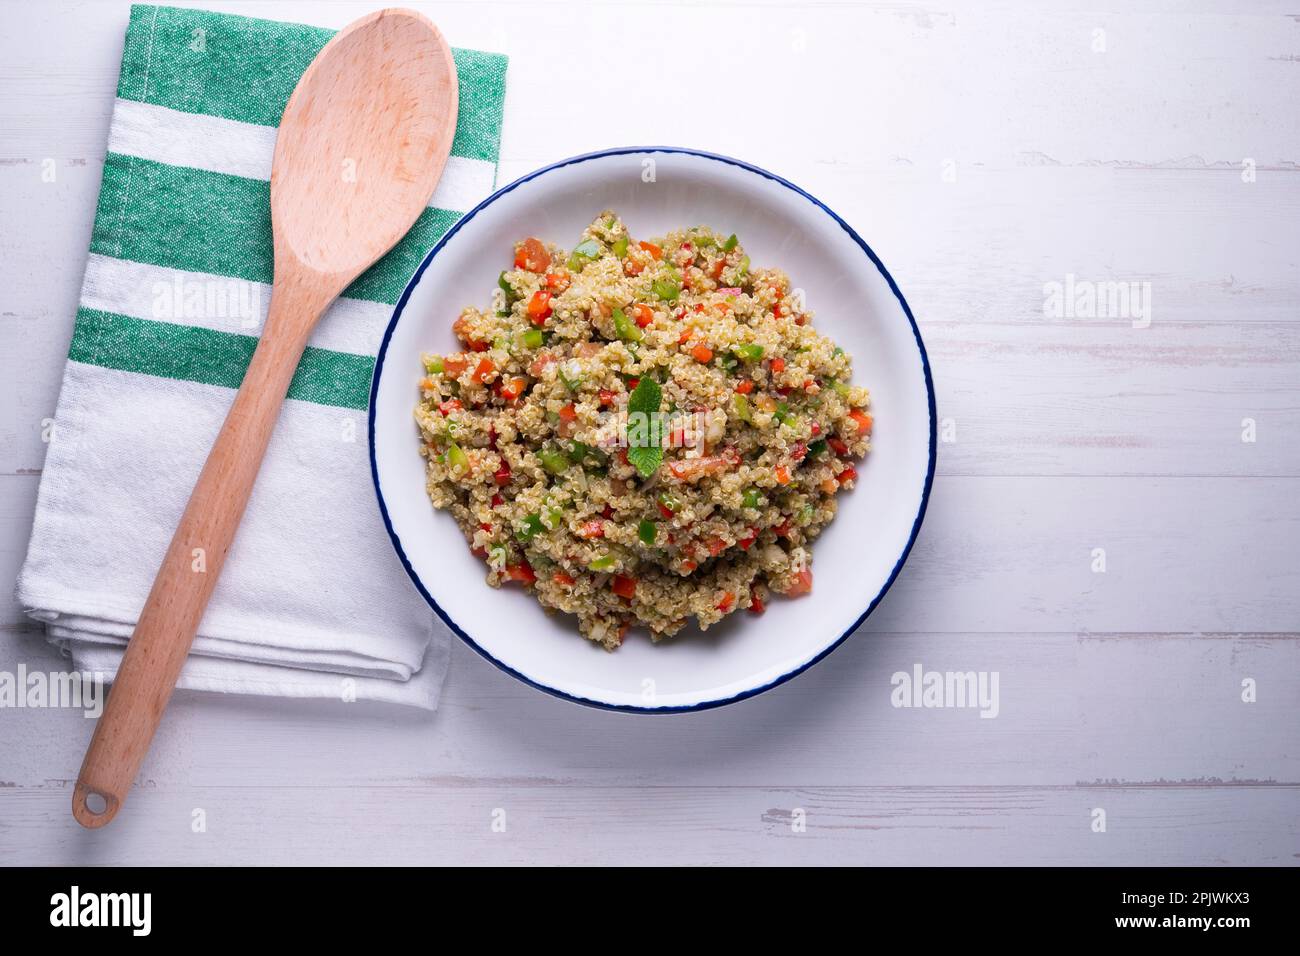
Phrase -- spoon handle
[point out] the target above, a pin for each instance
(185, 581)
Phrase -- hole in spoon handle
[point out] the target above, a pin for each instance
(93, 808)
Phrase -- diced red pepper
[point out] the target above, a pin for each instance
(568, 413)
(848, 474)
(558, 281)
(666, 512)
(778, 365)
(748, 540)
(651, 248)
(624, 586)
(539, 307)
(502, 474)
(863, 421)
(702, 354)
(449, 406)
(728, 599)
(607, 397)
(644, 314)
(522, 572)
(745, 386)
(756, 605)
(592, 529)
(838, 446)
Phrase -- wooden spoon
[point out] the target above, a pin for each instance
(361, 146)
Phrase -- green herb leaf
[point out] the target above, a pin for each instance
(645, 400)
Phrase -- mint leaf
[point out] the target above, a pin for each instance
(645, 398)
(645, 460)
(642, 407)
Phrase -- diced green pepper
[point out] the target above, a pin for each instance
(531, 525)
(667, 289)
(841, 389)
(533, 339)
(568, 375)
(553, 461)
(506, 288)
(731, 243)
(647, 531)
(604, 563)
(703, 242)
(457, 460)
(817, 448)
(583, 253)
(434, 365)
(625, 328)
(782, 414)
(741, 406)
(742, 270)
(620, 247)
(752, 498)
(577, 451)
(749, 352)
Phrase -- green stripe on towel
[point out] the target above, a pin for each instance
(214, 223)
(241, 69)
(196, 354)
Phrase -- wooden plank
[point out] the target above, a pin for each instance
(420, 825)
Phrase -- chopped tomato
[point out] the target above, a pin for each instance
(607, 397)
(685, 336)
(483, 370)
(563, 578)
(532, 255)
(838, 446)
(558, 281)
(502, 474)
(644, 314)
(802, 584)
(521, 572)
(449, 406)
(540, 364)
(632, 383)
(782, 475)
(815, 429)
(624, 586)
(756, 605)
(702, 354)
(848, 474)
(747, 541)
(497, 501)
(778, 365)
(568, 413)
(863, 421)
(478, 345)
(716, 272)
(651, 248)
(782, 529)
(666, 512)
(592, 529)
(798, 451)
(453, 365)
(688, 565)
(539, 307)
(745, 387)
(728, 599)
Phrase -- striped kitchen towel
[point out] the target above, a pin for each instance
(312, 601)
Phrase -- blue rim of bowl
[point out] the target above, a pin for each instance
(397, 544)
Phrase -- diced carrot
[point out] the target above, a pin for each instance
(702, 354)
(830, 486)
(644, 314)
(624, 586)
(782, 475)
(539, 307)
(512, 389)
(745, 386)
(483, 370)
(685, 336)
(728, 599)
(532, 255)
(651, 248)
(453, 365)
(863, 421)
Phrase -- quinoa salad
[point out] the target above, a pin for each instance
(642, 432)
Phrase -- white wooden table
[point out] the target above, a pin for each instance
(985, 151)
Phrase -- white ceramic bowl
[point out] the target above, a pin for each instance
(856, 303)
